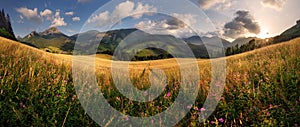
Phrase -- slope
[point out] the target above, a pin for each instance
(262, 86)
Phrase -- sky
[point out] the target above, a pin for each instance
(230, 18)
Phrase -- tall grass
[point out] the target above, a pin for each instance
(262, 89)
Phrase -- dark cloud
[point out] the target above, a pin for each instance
(174, 23)
(242, 24)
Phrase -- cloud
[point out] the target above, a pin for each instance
(29, 13)
(242, 24)
(274, 4)
(71, 13)
(58, 21)
(76, 19)
(207, 4)
(83, 1)
(47, 13)
(124, 9)
(177, 27)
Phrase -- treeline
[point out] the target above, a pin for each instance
(240, 49)
(5, 26)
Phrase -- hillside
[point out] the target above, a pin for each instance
(288, 34)
(50, 40)
(262, 86)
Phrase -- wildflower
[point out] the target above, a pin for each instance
(152, 121)
(74, 97)
(143, 114)
(65, 81)
(188, 107)
(22, 105)
(202, 109)
(167, 95)
(196, 108)
(158, 107)
(271, 106)
(268, 113)
(126, 118)
(118, 98)
(57, 95)
(213, 94)
(250, 110)
(221, 120)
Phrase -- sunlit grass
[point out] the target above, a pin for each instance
(262, 88)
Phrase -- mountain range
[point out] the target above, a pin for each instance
(52, 40)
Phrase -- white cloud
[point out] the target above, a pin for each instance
(58, 21)
(30, 14)
(274, 4)
(124, 9)
(47, 13)
(71, 13)
(177, 26)
(76, 19)
(207, 4)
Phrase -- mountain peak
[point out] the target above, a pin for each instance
(52, 30)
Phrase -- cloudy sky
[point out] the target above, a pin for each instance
(231, 18)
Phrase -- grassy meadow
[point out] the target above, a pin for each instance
(262, 88)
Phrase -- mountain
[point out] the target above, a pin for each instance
(242, 41)
(5, 26)
(51, 40)
(213, 41)
(289, 34)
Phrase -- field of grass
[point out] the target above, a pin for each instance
(262, 88)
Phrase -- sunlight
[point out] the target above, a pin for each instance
(264, 33)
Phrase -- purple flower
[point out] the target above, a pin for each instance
(168, 95)
(202, 109)
(22, 105)
(196, 108)
(57, 95)
(221, 120)
(158, 107)
(188, 107)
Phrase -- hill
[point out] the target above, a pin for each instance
(51, 40)
(289, 34)
(262, 86)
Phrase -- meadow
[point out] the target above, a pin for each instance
(262, 88)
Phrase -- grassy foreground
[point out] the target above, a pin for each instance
(262, 88)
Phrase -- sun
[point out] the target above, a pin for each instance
(264, 33)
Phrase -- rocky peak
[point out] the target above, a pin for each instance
(52, 30)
